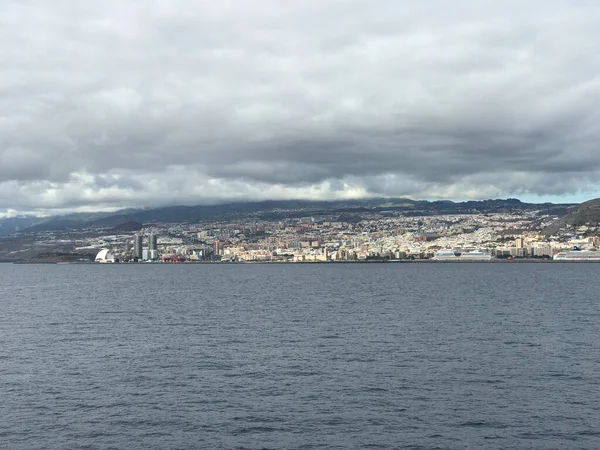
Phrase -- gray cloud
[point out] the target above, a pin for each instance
(145, 103)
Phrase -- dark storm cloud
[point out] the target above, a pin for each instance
(115, 104)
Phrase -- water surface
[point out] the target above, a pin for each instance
(422, 356)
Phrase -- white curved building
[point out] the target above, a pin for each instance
(105, 256)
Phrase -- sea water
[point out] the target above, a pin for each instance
(307, 356)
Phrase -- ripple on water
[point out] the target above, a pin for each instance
(493, 356)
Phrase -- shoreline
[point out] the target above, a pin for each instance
(394, 261)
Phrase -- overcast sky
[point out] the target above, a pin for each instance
(142, 103)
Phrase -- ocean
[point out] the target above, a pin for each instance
(305, 356)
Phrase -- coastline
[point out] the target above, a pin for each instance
(394, 261)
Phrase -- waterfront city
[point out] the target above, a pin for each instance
(322, 239)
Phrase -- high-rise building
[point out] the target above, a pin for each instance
(217, 248)
(543, 250)
(152, 240)
(137, 246)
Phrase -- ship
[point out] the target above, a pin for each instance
(577, 255)
(456, 255)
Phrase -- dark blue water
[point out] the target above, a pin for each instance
(422, 356)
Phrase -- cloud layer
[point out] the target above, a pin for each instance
(110, 104)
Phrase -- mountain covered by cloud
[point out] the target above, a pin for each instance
(144, 103)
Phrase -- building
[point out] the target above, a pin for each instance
(542, 250)
(105, 256)
(517, 252)
(217, 248)
(152, 241)
(137, 246)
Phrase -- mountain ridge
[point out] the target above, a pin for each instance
(582, 214)
(272, 210)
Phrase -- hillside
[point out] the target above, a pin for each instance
(270, 209)
(349, 210)
(583, 214)
(73, 221)
(11, 225)
(127, 227)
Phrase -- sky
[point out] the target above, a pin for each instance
(147, 103)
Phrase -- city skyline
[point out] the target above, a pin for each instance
(163, 103)
(528, 234)
(375, 230)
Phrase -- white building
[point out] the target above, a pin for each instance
(105, 256)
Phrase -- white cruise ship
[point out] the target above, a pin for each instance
(454, 255)
(577, 255)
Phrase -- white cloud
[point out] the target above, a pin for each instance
(145, 103)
